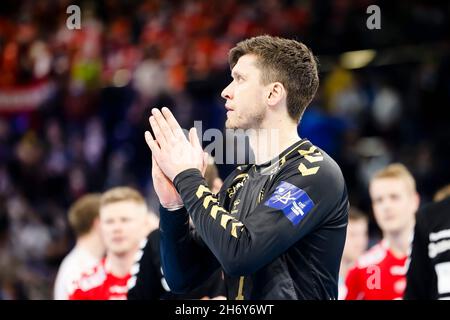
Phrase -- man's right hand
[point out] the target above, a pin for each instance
(164, 188)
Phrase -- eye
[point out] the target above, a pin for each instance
(125, 219)
(108, 221)
(395, 196)
(238, 78)
(378, 200)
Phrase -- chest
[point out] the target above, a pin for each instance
(386, 280)
(112, 289)
(245, 193)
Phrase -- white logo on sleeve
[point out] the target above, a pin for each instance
(297, 208)
(285, 198)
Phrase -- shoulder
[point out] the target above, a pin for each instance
(72, 267)
(93, 278)
(309, 163)
(67, 265)
(315, 172)
(373, 256)
(65, 278)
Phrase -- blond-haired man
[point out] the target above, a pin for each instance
(380, 273)
(123, 219)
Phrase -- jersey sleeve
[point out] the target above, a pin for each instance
(63, 283)
(418, 277)
(185, 259)
(292, 208)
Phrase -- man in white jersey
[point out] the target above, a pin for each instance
(89, 247)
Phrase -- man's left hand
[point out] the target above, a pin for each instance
(171, 150)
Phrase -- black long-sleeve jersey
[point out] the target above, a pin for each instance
(276, 229)
(428, 275)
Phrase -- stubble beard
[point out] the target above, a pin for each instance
(251, 121)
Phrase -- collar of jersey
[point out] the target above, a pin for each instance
(271, 165)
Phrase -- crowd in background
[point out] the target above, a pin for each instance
(74, 104)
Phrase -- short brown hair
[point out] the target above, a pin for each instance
(119, 194)
(396, 170)
(83, 213)
(355, 214)
(289, 62)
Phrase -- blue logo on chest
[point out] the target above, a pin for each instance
(294, 202)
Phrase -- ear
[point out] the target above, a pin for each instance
(275, 94)
(416, 200)
(96, 225)
(96, 222)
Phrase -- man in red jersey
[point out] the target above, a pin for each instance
(123, 219)
(379, 274)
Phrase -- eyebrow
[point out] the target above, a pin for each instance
(235, 74)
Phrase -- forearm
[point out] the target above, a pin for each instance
(185, 263)
(238, 249)
(244, 246)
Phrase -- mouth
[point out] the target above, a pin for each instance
(117, 239)
(228, 108)
(389, 218)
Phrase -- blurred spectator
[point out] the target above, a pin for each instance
(123, 224)
(89, 248)
(10, 286)
(356, 244)
(380, 274)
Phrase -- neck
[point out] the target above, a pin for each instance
(92, 243)
(120, 265)
(399, 242)
(269, 142)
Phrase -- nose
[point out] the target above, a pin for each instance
(226, 93)
(116, 228)
(386, 206)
